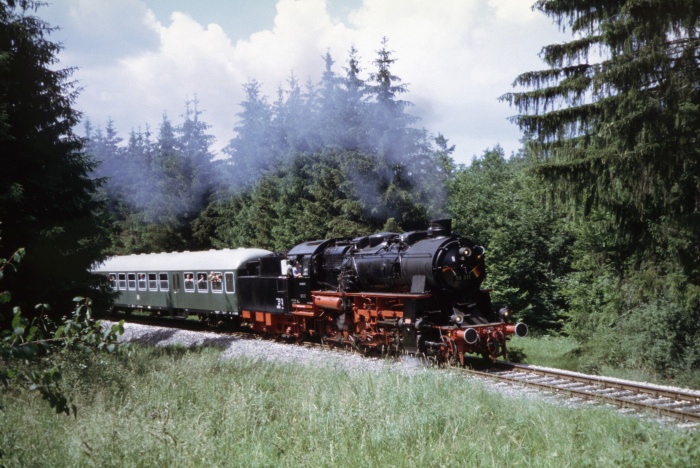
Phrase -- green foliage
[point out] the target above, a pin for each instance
(155, 189)
(339, 160)
(30, 349)
(630, 315)
(494, 201)
(647, 320)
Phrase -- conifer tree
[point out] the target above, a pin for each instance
(327, 106)
(615, 119)
(390, 122)
(352, 106)
(250, 152)
(196, 158)
(615, 125)
(47, 202)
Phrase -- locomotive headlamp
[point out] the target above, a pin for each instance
(465, 252)
(504, 313)
(458, 318)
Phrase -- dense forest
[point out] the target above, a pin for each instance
(592, 229)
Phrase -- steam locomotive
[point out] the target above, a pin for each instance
(416, 292)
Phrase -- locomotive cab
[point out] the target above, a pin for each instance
(265, 288)
(310, 256)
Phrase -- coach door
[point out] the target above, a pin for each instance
(177, 295)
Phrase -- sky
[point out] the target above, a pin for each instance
(137, 60)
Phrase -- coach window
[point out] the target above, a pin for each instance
(122, 281)
(131, 281)
(230, 285)
(202, 282)
(142, 281)
(152, 282)
(163, 277)
(113, 281)
(189, 282)
(217, 282)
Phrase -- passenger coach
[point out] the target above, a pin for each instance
(182, 283)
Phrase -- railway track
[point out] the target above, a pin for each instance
(661, 401)
(657, 400)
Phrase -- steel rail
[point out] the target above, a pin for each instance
(651, 389)
(677, 404)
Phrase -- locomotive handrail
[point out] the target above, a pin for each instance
(373, 294)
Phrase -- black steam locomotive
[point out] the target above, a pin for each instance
(417, 292)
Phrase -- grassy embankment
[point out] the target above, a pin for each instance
(565, 353)
(177, 407)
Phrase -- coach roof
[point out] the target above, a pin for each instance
(226, 259)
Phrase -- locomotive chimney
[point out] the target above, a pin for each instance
(440, 227)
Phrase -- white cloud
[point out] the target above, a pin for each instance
(99, 31)
(457, 56)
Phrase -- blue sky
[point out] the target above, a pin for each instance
(140, 59)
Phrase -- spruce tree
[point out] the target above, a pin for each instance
(615, 119)
(47, 202)
(391, 127)
(250, 152)
(196, 158)
(327, 107)
(353, 118)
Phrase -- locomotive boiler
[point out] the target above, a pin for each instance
(434, 259)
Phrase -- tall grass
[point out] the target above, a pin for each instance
(564, 352)
(177, 407)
